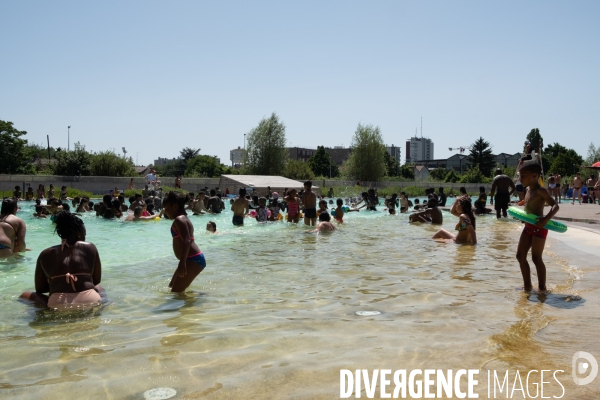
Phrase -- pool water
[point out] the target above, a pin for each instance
(276, 313)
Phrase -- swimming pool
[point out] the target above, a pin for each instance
(274, 313)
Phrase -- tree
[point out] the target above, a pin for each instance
(473, 175)
(565, 164)
(203, 165)
(266, 153)
(570, 156)
(188, 153)
(451, 176)
(391, 164)
(15, 156)
(481, 157)
(593, 154)
(407, 172)
(536, 140)
(322, 164)
(367, 159)
(298, 170)
(108, 163)
(439, 174)
(76, 162)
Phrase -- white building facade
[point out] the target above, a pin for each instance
(419, 148)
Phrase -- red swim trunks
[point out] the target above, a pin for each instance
(535, 231)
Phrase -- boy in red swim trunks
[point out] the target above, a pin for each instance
(534, 236)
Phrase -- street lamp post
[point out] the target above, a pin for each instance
(244, 141)
(68, 137)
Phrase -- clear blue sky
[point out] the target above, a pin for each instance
(156, 76)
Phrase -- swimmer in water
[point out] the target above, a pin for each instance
(324, 223)
(211, 227)
(431, 214)
(466, 223)
(191, 259)
(71, 271)
(12, 230)
(339, 211)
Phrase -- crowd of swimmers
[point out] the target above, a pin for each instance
(71, 271)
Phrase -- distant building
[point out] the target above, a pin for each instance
(236, 156)
(395, 152)
(421, 172)
(419, 148)
(164, 161)
(338, 154)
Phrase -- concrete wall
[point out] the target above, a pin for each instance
(98, 184)
(103, 184)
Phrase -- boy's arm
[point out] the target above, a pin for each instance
(453, 209)
(542, 221)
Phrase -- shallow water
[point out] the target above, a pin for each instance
(274, 313)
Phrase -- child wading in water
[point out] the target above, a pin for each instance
(534, 236)
(466, 223)
(191, 259)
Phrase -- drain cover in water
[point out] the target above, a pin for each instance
(367, 313)
(159, 393)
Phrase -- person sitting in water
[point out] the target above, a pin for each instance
(12, 230)
(211, 227)
(431, 214)
(191, 259)
(39, 212)
(324, 223)
(466, 223)
(274, 208)
(71, 271)
(199, 207)
(261, 211)
(29, 194)
(480, 208)
(138, 215)
(441, 197)
(17, 193)
(323, 207)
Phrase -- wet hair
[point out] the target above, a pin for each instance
(499, 171)
(150, 207)
(432, 202)
(339, 202)
(242, 192)
(211, 223)
(92, 205)
(463, 190)
(68, 225)
(131, 199)
(106, 199)
(115, 203)
(308, 183)
(8, 207)
(417, 201)
(481, 189)
(441, 189)
(322, 202)
(39, 209)
(213, 192)
(137, 211)
(467, 208)
(324, 216)
(533, 167)
(66, 207)
(176, 198)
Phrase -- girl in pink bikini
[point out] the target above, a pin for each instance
(191, 259)
(293, 206)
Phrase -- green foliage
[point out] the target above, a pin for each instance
(451, 177)
(298, 170)
(15, 155)
(322, 164)
(367, 159)
(172, 168)
(474, 175)
(537, 141)
(508, 171)
(266, 153)
(73, 192)
(593, 154)
(108, 163)
(188, 153)
(407, 172)
(202, 165)
(552, 160)
(481, 156)
(73, 163)
(438, 174)
(392, 166)
(565, 165)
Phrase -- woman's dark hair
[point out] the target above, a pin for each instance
(137, 211)
(324, 216)
(8, 207)
(68, 225)
(176, 198)
(106, 199)
(467, 208)
(463, 190)
(66, 207)
(211, 223)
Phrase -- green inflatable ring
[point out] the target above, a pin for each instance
(532, 219)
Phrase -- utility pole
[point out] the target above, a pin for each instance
(68, 137)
